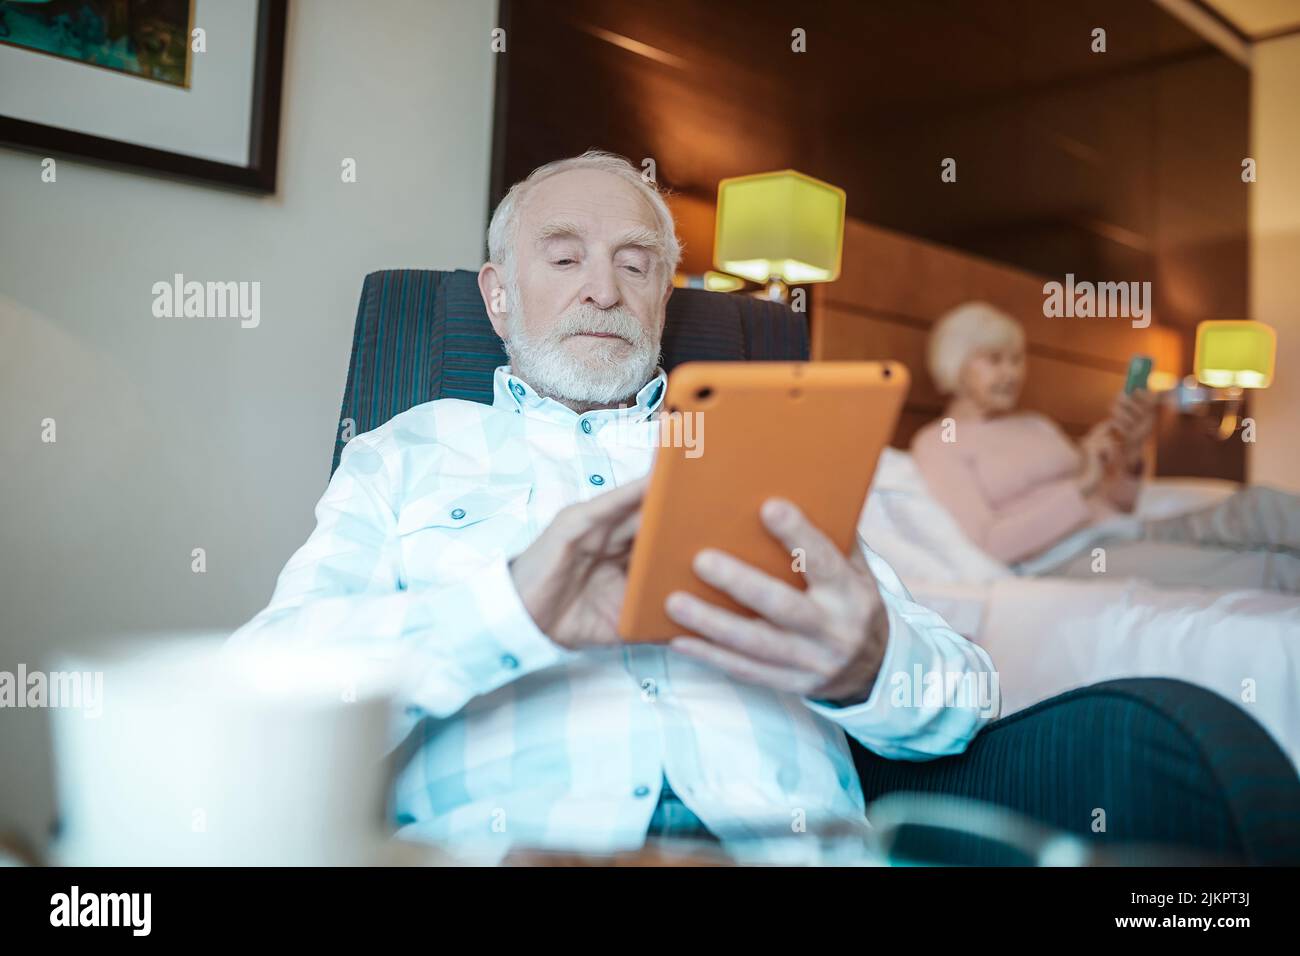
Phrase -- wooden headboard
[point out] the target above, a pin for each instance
(893, 287)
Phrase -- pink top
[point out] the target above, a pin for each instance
(1010, 482)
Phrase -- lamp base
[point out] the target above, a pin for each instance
(1218, 409)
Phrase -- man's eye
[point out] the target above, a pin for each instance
(564, 262)
(636, 269)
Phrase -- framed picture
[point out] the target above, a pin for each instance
(185, 87)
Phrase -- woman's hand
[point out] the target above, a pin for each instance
(1133, 418)
(1100, 449)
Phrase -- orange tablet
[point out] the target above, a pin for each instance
(734, 434)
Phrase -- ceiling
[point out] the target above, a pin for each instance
(1257, 20)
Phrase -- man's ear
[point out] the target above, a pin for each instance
(492, 287)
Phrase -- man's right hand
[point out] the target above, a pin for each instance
(572, 578)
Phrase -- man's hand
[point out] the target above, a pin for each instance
(825, 642)
(573, 576)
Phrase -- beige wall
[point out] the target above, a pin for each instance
(175, 434)
(1275, 256)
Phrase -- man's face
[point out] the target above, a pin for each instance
(587, 310)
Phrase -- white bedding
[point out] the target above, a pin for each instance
(1049, 635)
(913, 532)
(906, 526)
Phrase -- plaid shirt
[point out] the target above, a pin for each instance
(510, 737)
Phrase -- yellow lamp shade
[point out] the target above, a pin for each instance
(782, 225)
(1235, 354)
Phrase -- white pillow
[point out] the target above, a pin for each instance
(904, 524)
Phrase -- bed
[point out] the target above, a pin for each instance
(1049, 635)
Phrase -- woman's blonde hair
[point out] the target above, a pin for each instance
(963, 331)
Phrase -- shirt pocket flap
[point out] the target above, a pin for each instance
(459, 508)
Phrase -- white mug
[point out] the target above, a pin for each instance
(200, 755)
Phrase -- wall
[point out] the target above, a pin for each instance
(893, 287)
(176, 434)
(1275, 251)
(1111, 166)
(182, 433)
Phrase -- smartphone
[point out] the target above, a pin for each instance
(1139, 368)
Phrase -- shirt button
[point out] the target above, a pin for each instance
(641, 791)
(586, 426)
(596, 480)
(509, 661)
(458, 513)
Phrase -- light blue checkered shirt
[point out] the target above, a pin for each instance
(517, 740)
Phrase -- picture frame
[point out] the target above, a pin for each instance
(242, 145)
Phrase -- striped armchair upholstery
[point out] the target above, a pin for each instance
(422, 335)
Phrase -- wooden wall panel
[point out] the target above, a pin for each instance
(893, 287)
(1075, 395)
(887, 273)
(1109, 166)
(694, 218)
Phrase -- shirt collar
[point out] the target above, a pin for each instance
(509, 391)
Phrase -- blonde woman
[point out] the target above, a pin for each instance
(1034, 498)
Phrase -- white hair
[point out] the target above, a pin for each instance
(504, 227)
(963, 331)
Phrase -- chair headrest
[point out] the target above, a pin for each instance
(422, 335)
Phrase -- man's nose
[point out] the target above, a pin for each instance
(601, 287)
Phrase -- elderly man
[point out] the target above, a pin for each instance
(485, 548)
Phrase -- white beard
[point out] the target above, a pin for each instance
(599, 378)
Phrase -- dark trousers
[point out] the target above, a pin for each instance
(1170, 765)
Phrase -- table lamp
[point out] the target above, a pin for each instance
(1230, 356)
(779, 228)
(1235, 354)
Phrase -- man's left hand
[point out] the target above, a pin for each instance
(825, 642)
